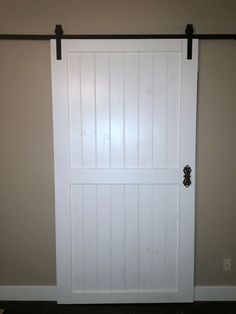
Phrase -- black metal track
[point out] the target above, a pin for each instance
(117, 36)
(189, 35)
(26, 37)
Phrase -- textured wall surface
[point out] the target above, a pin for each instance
(27, 226)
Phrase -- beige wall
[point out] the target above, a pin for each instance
(27, 231)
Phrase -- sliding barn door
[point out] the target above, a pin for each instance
(124, 128)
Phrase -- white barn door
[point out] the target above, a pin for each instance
(124, 116)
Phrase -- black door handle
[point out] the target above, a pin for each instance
(187, 176)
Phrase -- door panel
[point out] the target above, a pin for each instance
(127, 237)
(124, 128)
(124, 109)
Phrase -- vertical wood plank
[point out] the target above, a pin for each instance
(88, 110)
(61, 165)
(77, 244)
(102, 109)
(172, 236)
(160, 89)
(173, 116)
(104, 237)
(131, 110)
(90, 238)
(118, 239)
(189, 75)
(159, 238)
(145, 110)
(131, 237)
(117, 110)
(145, 236)
(74, 86)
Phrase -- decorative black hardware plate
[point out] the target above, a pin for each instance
(187, 176)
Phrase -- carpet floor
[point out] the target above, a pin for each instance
(52, 307)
